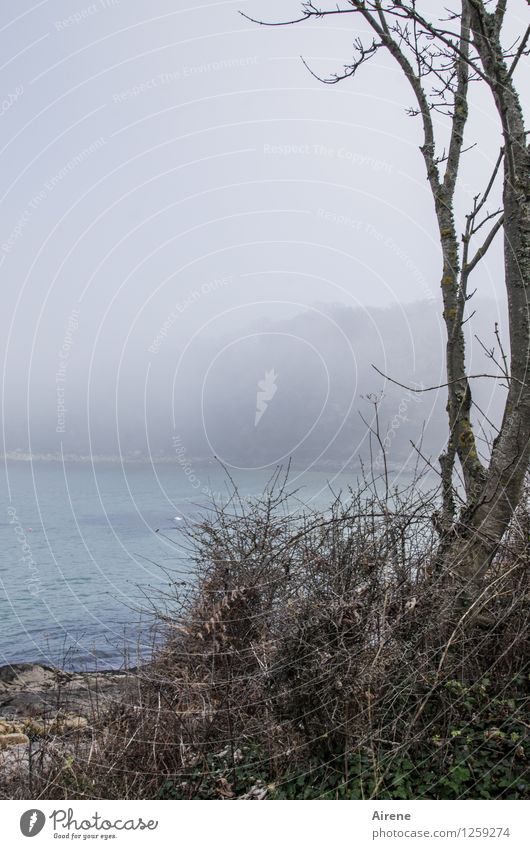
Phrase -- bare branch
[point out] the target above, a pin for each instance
(460, 108)
(485, 220)
(520, 51)
(490, 184)
(500, 11)
(490, 353)
(485, 417)
(365, 53)
(501, 348)
(445, 36)
(441, 385)
(311, 11)
(484, 247)
(381, 16)
(428, 148)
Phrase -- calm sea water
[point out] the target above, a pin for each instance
(80, 555)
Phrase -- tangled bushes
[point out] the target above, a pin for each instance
(322, 656)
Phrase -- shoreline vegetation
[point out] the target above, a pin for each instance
(315, 655)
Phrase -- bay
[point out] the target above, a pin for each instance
(86, 546)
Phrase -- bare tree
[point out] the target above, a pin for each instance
(440, 56)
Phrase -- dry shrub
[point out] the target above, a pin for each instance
(321, 654)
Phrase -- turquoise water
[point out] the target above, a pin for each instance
(81, 555)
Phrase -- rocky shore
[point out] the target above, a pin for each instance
(32, 691)
(42, 706)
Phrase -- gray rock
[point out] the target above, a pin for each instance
(34, 690)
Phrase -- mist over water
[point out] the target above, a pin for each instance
(256, 394)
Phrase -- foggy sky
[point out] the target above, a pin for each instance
(184, 208)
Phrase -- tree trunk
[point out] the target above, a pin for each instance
(486, 517)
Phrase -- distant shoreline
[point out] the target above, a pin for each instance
(130, 460)
(98, 458)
